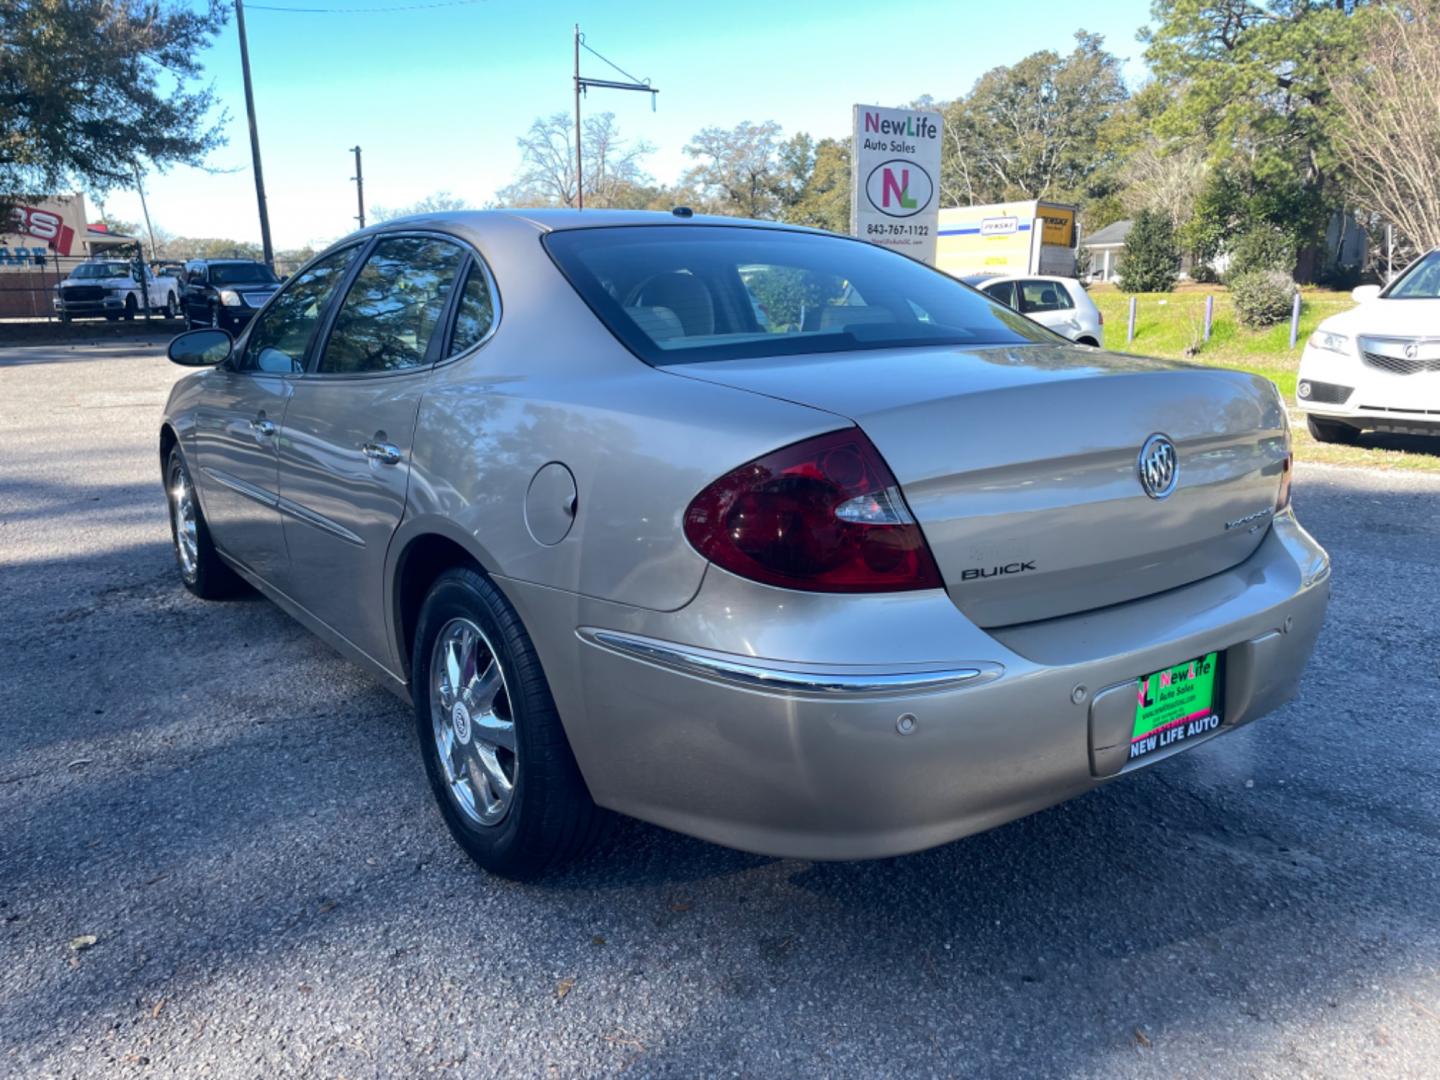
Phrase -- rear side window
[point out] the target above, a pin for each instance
(1004, 292)
(476, 311)
(689, 293)
(1044, 296)
(281, 334)
(389, 316)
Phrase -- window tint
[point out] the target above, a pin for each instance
(241, 274)
(476, 313)
(1420, 282)
(282, 334)
(1004, 292)
(686, 294)
(390, 313)
(1044, 296)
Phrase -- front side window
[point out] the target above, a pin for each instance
(391, 311)
(1420, 282)
(282, 333)
(476, 313)
(1038, 296)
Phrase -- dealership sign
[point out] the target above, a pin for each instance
(895, 188)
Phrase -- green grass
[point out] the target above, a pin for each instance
(1172, 325)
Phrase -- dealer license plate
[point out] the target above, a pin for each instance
(1175, 704)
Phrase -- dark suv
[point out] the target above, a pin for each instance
(225, 292)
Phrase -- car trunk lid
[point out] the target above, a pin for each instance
(1021, 464)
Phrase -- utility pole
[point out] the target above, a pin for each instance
(140, 187)
(254, 137)
(359, 179)
(579, 167)
(584, 84)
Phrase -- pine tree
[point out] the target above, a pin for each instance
(1151, 261)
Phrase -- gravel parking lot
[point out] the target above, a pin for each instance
(218, 854)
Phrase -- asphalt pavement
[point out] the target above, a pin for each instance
(219, 856)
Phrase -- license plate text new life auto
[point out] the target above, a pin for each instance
(1175, 704)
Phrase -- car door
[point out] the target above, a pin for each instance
(238, 418)
(1049, 304)
(345, 452)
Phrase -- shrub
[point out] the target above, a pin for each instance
(1262, 248)
(1152, 255)
(1262, 297)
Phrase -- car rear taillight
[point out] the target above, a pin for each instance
(824, 515)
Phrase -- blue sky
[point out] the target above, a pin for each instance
(436, 96)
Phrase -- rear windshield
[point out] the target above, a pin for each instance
(686, 294)
(240, 274)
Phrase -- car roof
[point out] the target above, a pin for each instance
(552, 219)
(991, 279)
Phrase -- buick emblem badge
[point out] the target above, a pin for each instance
(1159, 466)
(1412, 351)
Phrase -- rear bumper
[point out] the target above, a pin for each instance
(895, 724)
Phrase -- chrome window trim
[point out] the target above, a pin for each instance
(773, 676)
(467, 249)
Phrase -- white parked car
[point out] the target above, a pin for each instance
(1062, 304)
(1376, 367)
(113, 288)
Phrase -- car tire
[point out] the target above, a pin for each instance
(168, 312)
(202, 571)
(130, 308)
(1332, 431)
(547, 816)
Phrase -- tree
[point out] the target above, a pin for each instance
(90, 88)
(1246, 79)
(816, 184)
(1031, 130)
(437, 202)
(1152, 257)
(738, 171)
(613, 172)
(1388, 108)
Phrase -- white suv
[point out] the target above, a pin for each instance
(1377, 366)
(1055, 302)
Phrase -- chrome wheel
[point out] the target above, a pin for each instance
(472, 721)
(182, 517)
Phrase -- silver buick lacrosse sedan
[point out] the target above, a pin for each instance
(759, 533)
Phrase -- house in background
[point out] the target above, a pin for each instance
(1105, 247)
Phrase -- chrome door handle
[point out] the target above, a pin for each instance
(384, 453)
(263, 428)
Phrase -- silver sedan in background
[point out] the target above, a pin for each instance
(762, 534)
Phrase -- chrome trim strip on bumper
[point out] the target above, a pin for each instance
(781, 677)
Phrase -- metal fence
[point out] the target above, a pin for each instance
(29, 278)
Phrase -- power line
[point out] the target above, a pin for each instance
(368, 10)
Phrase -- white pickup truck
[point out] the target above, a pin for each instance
(113, 288)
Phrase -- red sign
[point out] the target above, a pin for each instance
(44, 225)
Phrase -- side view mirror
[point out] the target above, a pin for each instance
(200, 348)
(1363, 294)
